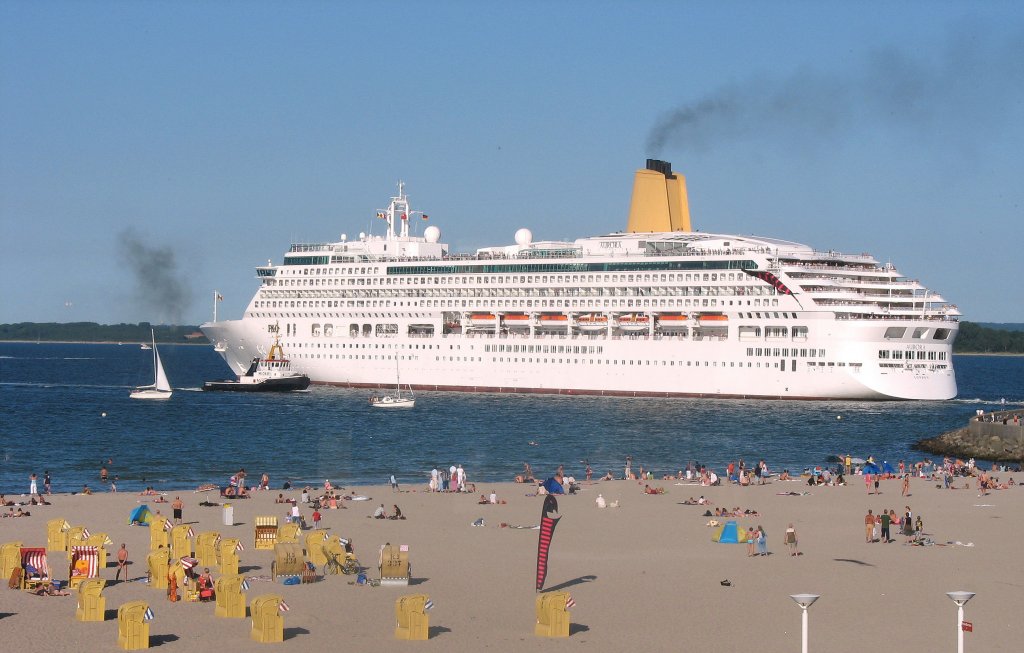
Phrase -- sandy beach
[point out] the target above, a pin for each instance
(644, 575)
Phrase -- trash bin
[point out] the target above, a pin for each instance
(229, 515)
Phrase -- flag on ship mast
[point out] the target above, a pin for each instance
(220, 297)
(547, 532)
(380, 214)
(426, 217)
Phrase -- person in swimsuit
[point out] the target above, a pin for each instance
(791, 541)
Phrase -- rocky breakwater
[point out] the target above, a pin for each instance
(997, 436)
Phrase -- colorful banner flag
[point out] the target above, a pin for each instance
(220, 297)
(569, 602)
(426, 217)
(85, 533)
(381, 215)
(429, 604)
(283, 607)
(245, 585)
(238, 546)
(547, 532)
(148, 616)
(191, 533)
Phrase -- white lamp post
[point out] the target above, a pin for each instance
(960, 598)
(804, 601)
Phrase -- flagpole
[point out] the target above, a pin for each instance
(215, 296)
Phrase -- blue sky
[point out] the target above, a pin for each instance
(206, 137)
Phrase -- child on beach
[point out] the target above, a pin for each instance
(316, 519)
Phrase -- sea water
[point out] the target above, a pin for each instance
(64, 408)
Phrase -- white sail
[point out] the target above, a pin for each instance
(161, 378)
(161, 388)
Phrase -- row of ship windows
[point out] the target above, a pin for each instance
(779, 365)
(898, 354)
(487, 279)
(523, 291)
(785, 352)
(519, 303)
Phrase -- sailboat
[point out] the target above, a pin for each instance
(161, 388)
(395, 399)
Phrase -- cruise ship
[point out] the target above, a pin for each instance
(656, 310)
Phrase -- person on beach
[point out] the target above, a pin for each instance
(751, 542)
(885, 520)
(32, 484)
(172, 585)
(265, 481)
(113, 484)
(394, 483)
(869, 527)
(122, 563)
(762, 541)
(791, 541)
(397, 514)
(177, 506)
(380, 513)
(103, 474)
(316, 519)
(629, 468)
(46, 482)
(906, 485)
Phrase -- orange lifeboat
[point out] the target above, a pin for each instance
(482, 319)
(516, 320)
(714, 318)
(633, 322)
(672, 322)
(592, 322)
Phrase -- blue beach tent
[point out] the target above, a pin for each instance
(141, 516)
(729, 534)
(871, 468)
(887, 468)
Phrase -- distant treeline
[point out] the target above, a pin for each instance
(976, 339)
(92, 332)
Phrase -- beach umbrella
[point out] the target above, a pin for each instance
(857, 461)
(547, 532)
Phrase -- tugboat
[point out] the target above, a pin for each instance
(270, 374)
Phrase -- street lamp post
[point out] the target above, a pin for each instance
(804, 601)
(961, 599)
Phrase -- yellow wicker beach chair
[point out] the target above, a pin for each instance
(267, 622)
(206, 548)
(229, 597)
(227, 555)
(57, 534)
(266, 532)
(552, 615)
(394, 565)
(92, 604)
(411, 614)
(132, 627)
(157, 563)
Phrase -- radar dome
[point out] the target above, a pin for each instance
(362, 235)
(524, 237)
(432, 234)
(344, 237)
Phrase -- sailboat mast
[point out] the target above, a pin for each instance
(152, 334)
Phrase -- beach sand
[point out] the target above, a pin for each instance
(645, 575)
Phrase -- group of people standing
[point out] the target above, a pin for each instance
(877, 528)
(453, 479)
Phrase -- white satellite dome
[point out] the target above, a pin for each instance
(524, 237)
(432, 234)
(362, 235)
(344, 237)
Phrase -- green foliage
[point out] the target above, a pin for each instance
(976, 339)
(93, 332)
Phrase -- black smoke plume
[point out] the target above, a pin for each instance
(159, 288)
(974, 82)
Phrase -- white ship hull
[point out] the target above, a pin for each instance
(664, 366)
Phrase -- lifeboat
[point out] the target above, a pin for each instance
(633, 322)
(516, 320)
(554, 320)
(714, 318)
(672, 322)
(482, 319)
(592, 322)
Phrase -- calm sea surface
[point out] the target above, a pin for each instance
(53, 398)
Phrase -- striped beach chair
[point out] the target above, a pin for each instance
(35, 570)
(84, 564)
